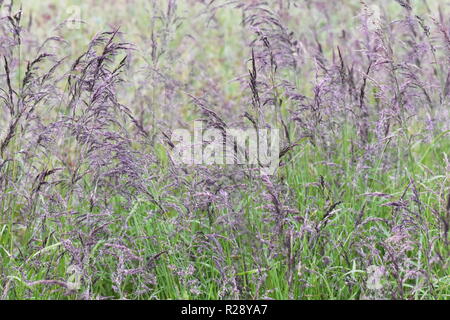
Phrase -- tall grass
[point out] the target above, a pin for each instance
(92, 205)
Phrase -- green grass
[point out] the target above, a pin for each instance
(198, 255)
(328, 270)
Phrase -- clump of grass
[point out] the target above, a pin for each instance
(93, 207)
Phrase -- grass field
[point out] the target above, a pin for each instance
(94, 206)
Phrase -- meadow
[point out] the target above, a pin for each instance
(93, 204)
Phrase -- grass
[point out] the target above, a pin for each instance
(346, 215)
(326, 271)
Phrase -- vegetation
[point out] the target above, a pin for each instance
(93, 205)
